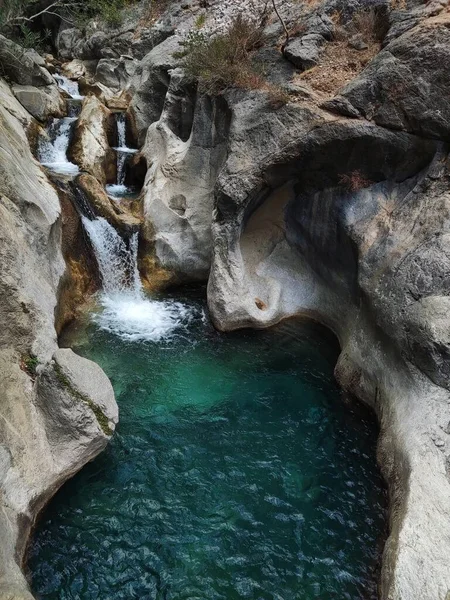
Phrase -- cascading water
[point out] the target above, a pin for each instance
(69, 86)
(123, 152)
(117, 262)
(126, 311)
(53, 149)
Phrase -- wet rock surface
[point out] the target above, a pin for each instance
(333, 205)
(46, 433)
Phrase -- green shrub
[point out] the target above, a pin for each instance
(107, 10)
(226, 60)
(200, 20)
(29, 363)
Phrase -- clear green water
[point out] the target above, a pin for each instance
(237, 472)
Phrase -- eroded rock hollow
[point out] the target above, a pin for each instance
(317, 184)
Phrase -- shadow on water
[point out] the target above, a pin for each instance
(236, 472)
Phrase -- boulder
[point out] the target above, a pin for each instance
(104, 207)
(90, 148)
(89, 86)
(304, 52)
(67, 42)
(41, 102)
(404, 85)
(77, 402)
(119, 103)
(150, 82)
(321, 24)
(94, 45)
(115, 73)
(24, 67)
(74, 69)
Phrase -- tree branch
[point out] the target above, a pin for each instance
(46, 11)
(286, 32)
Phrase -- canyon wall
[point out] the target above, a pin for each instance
(332, 204)
(57, 410)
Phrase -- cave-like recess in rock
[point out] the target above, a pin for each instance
(237, 472)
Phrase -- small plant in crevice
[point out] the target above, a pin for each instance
(227, 60)
(354, 181)
(200, 21)
(29, 363)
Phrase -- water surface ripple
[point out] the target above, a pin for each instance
(237, 472)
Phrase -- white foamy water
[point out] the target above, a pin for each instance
(142, 319)
(117, 190)
(122, 153)
(126, 310)
(69, 86)
(53, 150)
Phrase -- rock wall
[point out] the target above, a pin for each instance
(348, 222)
(57, 410)
(185, 150)
(335, 206)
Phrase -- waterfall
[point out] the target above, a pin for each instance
(116, 261)
(126, 311)
(121, 131)
(123, 153)
(69, 86)
(52, 151)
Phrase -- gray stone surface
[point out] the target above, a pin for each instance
(304, 52)
(67, 41)
(49, 425)
(151, 82)
(347, 222)
(185, 149)
(115, 73)
(404, 87)
(22, 67)
(41, 102)
(90, 148)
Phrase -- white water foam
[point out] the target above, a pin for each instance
(141, 319)
(116, 190)
(69, 86)
(122, 152)
(53, 151)
(126, 311)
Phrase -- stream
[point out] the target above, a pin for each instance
(237, 470)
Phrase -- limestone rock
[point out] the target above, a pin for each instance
(50, 421)
(90, 148)
(66, 42)
(23, 67)
(304, 52)
(106, 208)
(88, 86)
(41, 102)
(74, 69)
(428, 333)
(151, 82)
(115, 73)
(77, 402)
(150, 38)
(348, 222)
(177, 204)
(402, 88)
